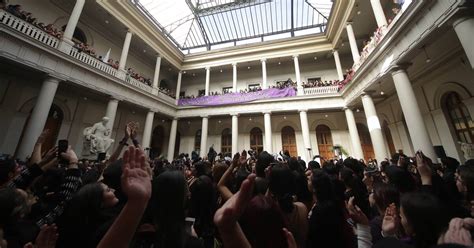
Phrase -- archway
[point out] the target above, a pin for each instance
(53, 124)
(157, 140)
(256, 140)
(365, 141)
(325, 145)
(288, 140)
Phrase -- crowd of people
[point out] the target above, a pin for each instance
(250, 200)
(17, 11)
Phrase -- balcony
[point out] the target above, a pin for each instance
(37, 34)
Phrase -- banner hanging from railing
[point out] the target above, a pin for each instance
(234, 98)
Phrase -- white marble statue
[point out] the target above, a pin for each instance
(96, 138)
(468, 150)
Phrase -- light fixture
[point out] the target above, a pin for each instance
(144, 51)
(359, 12)
(380, 88)
(279, 62)
(326, 116)
(248, 67)
(106, 21)
(184, 72)
(85, 98)
(250, 119)
(189, 122)
(357, 110)
(428, 59)
(219, 121)
(169, 69)
(163, 120)
(284, 117)
(133, 112)
(342, 44)
(194, 74)
(315, 58)
(221, 70)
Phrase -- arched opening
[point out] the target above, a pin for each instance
(78, 36)
(458, 117)
(288, 140)
(388, 137)
(177, 144)
(197, 141)
(365, 141)
(157, 140)
(226, 141)
(53, 124)
(256, 140)
(325, 146)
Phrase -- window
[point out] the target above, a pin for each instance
(253, 86)
(226, 90)
(256, 140)
(197, 140)
(182, 94)
(288, 140)
(459, 117)
(314, 80)
(226, 141)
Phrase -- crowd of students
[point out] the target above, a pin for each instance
(251, 200)
(17, 11)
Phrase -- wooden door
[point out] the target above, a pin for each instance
(366, 142)
(256, 140)
(288, 141)
(325, 145)
(226, 141)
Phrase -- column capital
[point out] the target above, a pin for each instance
(349, 23)
(53, 79)
(234, 63)
(205, 116)
(402, 67)
(367, 93)
(346, 108)
(460, 19)
(234, 114)
(153, 110)
(175, 118)
(302, 110)
(207, 68)
(263, 60)
(267, 112)
(295, 56)
(181, 72)
(115, 98)
(334, 50)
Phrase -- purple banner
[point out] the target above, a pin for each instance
(233, 98)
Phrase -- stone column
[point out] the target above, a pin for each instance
(235, 133)
(125, 48)
(264, 73)
(156, 76)
(305, 132)
(110, 112)
(338, 65)
(234, 77)
(178, 86)
(375, 130)
(354, 134)
(413, 116)
(268, 131)
(172, 141)
(298, 75)
(353, 43)
(204, 131)
(147, 130)
(38, 117)
(378, 12)
(464, 28)
(66, 41)
(208, 78)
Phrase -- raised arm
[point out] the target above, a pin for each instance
(136, 184)
(221, 185)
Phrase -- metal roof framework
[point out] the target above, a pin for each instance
(215, 22)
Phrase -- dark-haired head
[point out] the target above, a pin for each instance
(282, 185)
(400, 178)
(312, 165)
(422, 217)
(8, 167)
(450, 163)
(264, 160)
(168, 203)
(203, 204)
(384, 195)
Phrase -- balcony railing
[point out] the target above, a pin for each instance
(86, 58)
(138, 84)
(324, 90)
(28, 29)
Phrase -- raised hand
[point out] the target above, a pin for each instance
(230, 212)
(128, 131)
(355, 213)
(49, 160)
(290, 240)
(42, 137)
(70, 156)
(423, 164)
(457, 233)
(391, 221)
(136, 181)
